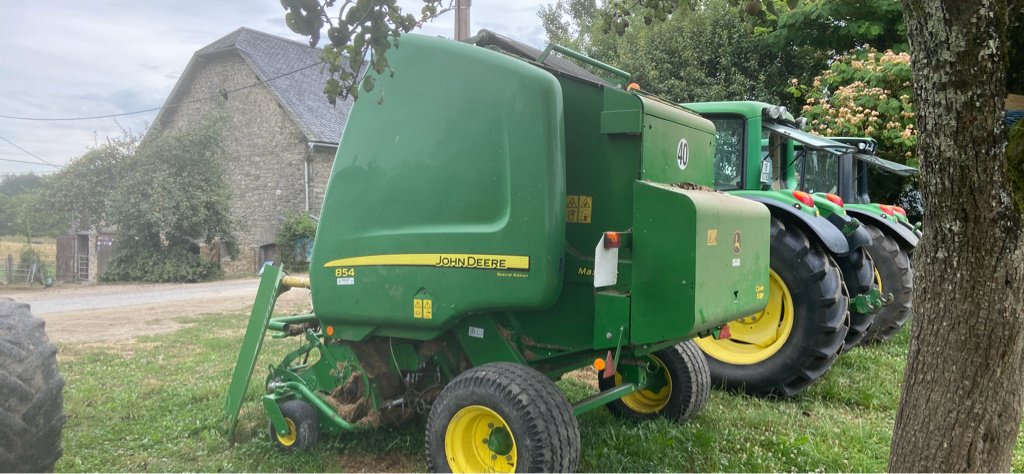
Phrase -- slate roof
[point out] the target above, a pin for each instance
(292, 72)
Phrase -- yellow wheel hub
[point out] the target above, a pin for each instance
(647, 401)
(758, 336)
(479, 440)
(288, 439)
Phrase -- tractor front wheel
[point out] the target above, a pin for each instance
(684, 386)
(894, 277)
(797, 337)
(303, 424)
(502, 417)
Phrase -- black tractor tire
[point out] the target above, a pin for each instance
(31, 393)
(820, 321)
(688, 392)
(531, 409)
(859, 276)
(304, 420)
(897, 274)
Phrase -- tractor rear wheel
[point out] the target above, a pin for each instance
(303, 424)
(797, 337)
(895, 276)
(31, 393)
(502, 417)
(859, 277)
(685, 385)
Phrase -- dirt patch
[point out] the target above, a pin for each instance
(80, 314)
(391, 462)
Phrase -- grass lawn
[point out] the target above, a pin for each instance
(156, 405)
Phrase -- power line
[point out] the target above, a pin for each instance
(214, 96)
(33, 155)
(29, 162)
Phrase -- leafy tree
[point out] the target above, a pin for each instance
(87, 187)
(171, 196)
(867, 93)
(294, 241)
(708, 53)
(32, 216)
(361, 28)
(12, 185)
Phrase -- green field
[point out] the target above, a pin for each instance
(156, 405)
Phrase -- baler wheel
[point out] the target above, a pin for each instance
(304, 423)
(896, 277)
(859, 275)
(687, 386)
(502, 417)
(31, 393)
(797, 337)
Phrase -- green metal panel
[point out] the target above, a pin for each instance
(262, 309)
(678, 146)
(446, 195)
(700, 260)
(611, 319)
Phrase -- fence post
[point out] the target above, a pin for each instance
(9, 267)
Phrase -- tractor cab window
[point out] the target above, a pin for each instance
(818, 171)
(773, 149)
(729, 152)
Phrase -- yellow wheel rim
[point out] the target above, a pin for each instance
(878, 280)
(646, 401)
(288, 439)
(759, 336)
(479, 440)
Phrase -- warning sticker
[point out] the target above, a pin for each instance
(422, 308)
(712, 236)
(578, 209)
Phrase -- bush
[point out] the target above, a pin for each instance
(176, 262)
(295, 240)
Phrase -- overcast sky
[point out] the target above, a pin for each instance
(73, 59)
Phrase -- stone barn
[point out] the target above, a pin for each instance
(281, 133)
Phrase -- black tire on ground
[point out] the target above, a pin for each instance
(859, 275)
(31, 393)
(689, 391)
(536, 414)
(893, 264)
(820, 321)
(304, 419)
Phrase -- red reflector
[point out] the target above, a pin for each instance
(612, 240)
(633, 86)
(899, 210)
(725, 333)
(804, 198)
(886, 209)
(835, 199)
(609, 366)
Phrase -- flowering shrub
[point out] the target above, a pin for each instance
(864, 93)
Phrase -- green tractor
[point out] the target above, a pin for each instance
(819, 265)
(497, 217)
(893, 237)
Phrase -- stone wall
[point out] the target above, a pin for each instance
(264, 151)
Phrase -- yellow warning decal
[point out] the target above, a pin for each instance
(712, 236)
(422, 308)
(439, 260)
(578, 209)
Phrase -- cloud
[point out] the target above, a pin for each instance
(70, 59)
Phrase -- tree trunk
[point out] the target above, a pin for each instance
(960, 408)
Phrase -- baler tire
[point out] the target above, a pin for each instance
(897, 275)
(820, 321)
(690, 386)
(31, 393)
(519, 399)
(859, 276)
(302, 418)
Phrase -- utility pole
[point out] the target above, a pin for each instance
(462, 19)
